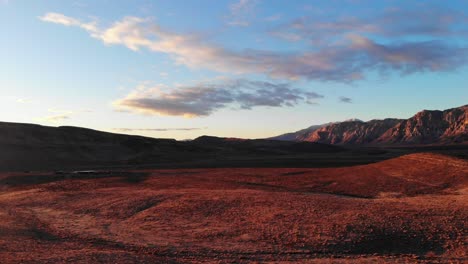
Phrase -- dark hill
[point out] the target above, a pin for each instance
(35, 147)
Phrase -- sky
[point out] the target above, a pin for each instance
(239, 68)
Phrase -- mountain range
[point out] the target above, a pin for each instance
(35, 147)
(426, 127)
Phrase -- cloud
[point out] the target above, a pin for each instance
(392, 23)
(205, 98)
(58, 115)
(23, 100)
(345, 53)
(61, 115)
(344, 99)
(58, 18)
(410, 57)
(157, 129)
(241, 12)
(56, 118)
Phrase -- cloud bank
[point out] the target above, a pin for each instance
(393, 23)
(205, 98)
(343, 50)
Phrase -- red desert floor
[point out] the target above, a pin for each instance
(407, 209)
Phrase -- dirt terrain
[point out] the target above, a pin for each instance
(408, 209)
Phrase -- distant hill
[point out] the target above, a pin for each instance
(31, 146)
(426, 127)
(35, 147)
(252, 146)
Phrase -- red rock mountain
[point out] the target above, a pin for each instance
(299, 135)
(426, 127)
(352, 132)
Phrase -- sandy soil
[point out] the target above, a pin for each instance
(409, 209)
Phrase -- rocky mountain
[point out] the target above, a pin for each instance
(426, 127)
(303, 134)
(299, 135)
(352, 132)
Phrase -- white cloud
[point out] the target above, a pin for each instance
(60, 19)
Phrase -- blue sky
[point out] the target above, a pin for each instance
(241, 68)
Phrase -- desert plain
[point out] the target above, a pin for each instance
(407, 209)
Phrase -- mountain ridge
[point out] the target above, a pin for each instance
(448, 126)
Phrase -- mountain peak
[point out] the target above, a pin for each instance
(353, 120)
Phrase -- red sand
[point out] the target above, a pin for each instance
(412, 208)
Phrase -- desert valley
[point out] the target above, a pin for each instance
(233, 131)
(132, 199)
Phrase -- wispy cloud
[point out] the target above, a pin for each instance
(55, 118)
(205, 98)
(344, 99)
(23, 100)
(346, 52)
(273, 18)
(58, 18)
(241, 12)
(58, 115)
(157, 129)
